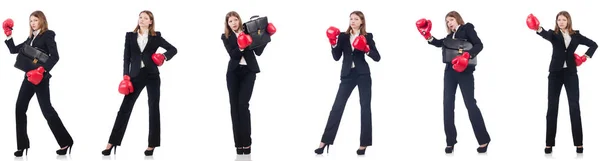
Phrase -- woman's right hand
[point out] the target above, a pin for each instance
(424, 27)
(532, 22)
(244, 40)
(8, 25)
(126, 87)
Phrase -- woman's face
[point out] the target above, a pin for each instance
(355, 21)
(233, 23)
(451, 23)
(34, 23)
(562, 22)
(144, 20)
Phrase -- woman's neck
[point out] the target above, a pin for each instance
(143, 30)
(356, 31)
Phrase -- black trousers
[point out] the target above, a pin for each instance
(467, 87)
(240, 84)
(152, 82)
(42, 91)
(335, 116)
(555, 83)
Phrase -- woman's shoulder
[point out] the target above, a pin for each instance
(469, 26)
(49, 33)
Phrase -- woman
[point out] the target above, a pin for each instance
(563, 71)
(241, 74)
(37, 80)
(459, 72)
(140, 69)
(353, 44)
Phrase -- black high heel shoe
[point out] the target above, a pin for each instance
(149, 152)
(483, 149)
(64, 151)
(449, 149)
(107, 151)
(579, 150)
(548, 150)
(361, 151)
(19, 153)
(239, 150)
(246, 150)
(320, 150)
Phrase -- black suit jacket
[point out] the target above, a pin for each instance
(43, 41)
(235, 55)
(133, 57)
(465, 32)
(344, 47)
(562, 53)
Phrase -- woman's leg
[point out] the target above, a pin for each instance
(61, 134)
(450, 84)
(25, 94)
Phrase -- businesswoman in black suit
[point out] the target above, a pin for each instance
(37, 81)
(563, 71)
(241, 74)
(459, 74)
(140, 69)
(354, 44)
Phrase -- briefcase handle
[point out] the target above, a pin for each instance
(254, 17)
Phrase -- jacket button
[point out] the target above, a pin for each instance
(565, 50)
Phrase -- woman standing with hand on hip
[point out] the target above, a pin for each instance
(241, 74)
(354, 44)
(37, 81)
(563, 71)
(140, 69)
(459, 72)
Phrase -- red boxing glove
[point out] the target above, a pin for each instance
(424, 27)
(158, 59)
(125, 87)
(532, 22)
(332, 33)
(579, 59)
(271, 29)
(461, 62)
(244, 40)
(360, 43)
(35, 76)
(8, 25)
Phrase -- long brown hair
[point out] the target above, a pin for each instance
(43, 23)
(457, 17)
(150, 27)
(569, 22)
(228, 29)
(363, 26)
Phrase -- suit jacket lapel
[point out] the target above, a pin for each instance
(573, 39)
(139, 48)
(32, 41)
(561, 38)
(134, 40)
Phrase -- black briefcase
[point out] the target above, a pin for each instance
(454, 47)
(257, 29)
(30, 58)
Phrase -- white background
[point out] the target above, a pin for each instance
(299, 80)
